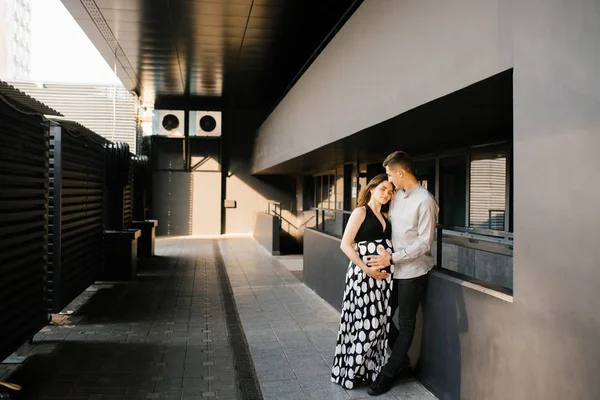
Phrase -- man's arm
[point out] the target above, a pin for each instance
(426, 232)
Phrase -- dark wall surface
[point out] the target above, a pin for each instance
(266, 232)
(556, 197)
(325, 266)
(467, 339)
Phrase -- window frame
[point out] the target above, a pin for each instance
(468, 153)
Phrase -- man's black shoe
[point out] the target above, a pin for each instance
(406, 373)
(383, 383)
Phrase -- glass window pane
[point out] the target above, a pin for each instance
(362, 178)
(325, 192)
(488, 191)
(318, 199)
(453, 190)
(339, 189)
(331, 193)
(425, 174)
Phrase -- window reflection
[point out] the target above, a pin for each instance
(487, 205)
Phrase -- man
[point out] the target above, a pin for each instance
(413, 213)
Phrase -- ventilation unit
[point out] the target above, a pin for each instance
(168, 123)
(206, 123)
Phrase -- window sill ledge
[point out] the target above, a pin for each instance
(471, 284)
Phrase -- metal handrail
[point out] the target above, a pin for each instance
(486, 235)
(275, 205)
(472, 234)
(322, 211)
(478, 234)
(331, 210)
(479, 231)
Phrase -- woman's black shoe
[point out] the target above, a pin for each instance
(383, 383)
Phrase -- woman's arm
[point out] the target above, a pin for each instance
(354, 223)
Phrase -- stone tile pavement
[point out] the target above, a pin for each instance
(171, 335)
(163, 336)
(290, 330)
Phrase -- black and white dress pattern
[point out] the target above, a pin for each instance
(360, 352)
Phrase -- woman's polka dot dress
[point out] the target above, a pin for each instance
(362, 340)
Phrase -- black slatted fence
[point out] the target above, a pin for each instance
(23, 217)
(76, 211)
(119, 188)
(128, 197)
(141, 188)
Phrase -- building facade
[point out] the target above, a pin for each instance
(15, 39)
(501, 96)
(109, 110)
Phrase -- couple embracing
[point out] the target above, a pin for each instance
(390, 257)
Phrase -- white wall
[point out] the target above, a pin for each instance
(391, 56)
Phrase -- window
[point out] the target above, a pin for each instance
(487, 183)
(425, 174)
(329, 190)
(318, 184)
(475, 209)
(339, 188)
(325, 191)
(473, 189)
(453, 190)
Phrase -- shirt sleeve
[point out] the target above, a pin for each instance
(426, 232)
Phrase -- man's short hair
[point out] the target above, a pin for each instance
(400, 159)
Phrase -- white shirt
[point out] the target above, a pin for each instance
(413, 215)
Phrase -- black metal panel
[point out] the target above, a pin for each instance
(23, 224)
(119, 187)
(240, 53)
(128, 197)
(76, 212)
(141, 188)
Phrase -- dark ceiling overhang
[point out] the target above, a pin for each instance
(477, 115)
(218, 53)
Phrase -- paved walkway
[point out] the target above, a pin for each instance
(290, 330)
(175, 334)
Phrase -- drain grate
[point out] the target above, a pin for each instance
(247, 382)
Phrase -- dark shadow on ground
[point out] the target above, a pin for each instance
(81, 369)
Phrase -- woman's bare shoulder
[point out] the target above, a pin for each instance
(360, 211)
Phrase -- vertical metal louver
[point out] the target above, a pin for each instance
(23, 217)
(141, 189)
(487, 205)
(119, 187)
(76, 212)
(128, 197)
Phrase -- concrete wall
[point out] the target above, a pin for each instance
(187, 203)
(557, 193)
(266, 232)
(191, 203)
(250, 192)
(545, 344)
(391, 56)
(467, 342)
(325, 266)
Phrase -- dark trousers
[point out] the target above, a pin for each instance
(407, 294)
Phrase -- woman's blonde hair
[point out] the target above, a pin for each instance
(365, 193)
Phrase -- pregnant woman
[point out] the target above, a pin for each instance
(365, 320)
